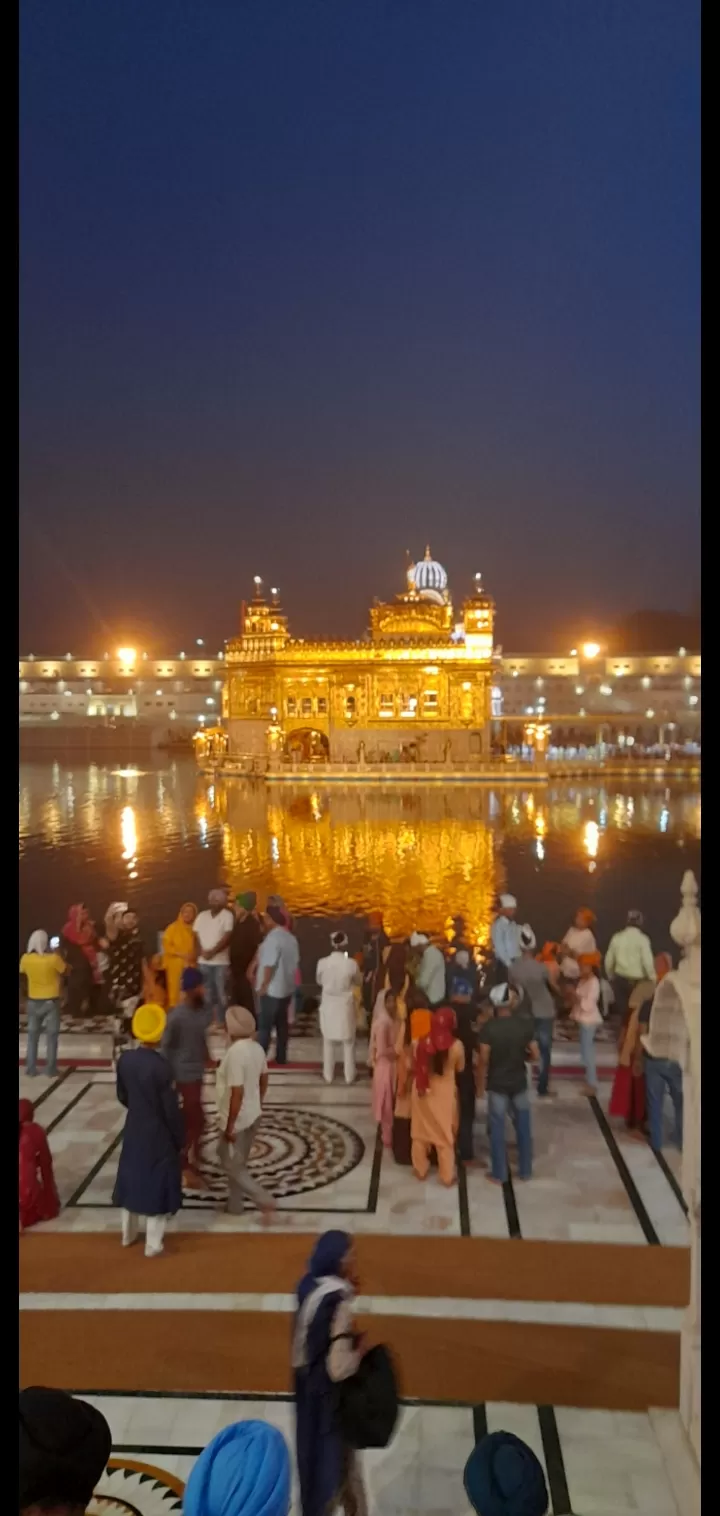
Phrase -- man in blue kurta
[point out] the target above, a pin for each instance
(149, 1176)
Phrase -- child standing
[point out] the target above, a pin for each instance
(382, 1058)
(586, 1014)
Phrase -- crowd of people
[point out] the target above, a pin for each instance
(445, 1026)
(65, 1443)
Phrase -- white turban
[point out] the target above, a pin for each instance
(527, 938)
(508, 903)
(419, 939)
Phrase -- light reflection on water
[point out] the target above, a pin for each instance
(420, 855)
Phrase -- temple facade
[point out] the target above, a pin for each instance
(419, 685)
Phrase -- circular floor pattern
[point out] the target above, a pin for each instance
(128, 1488)
(295, 1151)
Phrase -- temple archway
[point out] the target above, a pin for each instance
(307, 745)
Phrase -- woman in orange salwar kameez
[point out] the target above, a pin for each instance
(434, 1113)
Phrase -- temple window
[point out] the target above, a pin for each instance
(291, 706)
(430, 700)
(387, 705)
(306, 706)
(322, 706)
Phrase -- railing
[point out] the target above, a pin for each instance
(501, 768)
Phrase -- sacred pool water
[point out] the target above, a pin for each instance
(161, 833)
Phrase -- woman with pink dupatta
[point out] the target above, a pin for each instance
(382, 1059)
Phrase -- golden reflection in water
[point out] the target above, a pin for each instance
(128, 833)
(420, 855)
(350, 852)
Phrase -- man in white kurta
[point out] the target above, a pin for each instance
(337, 976)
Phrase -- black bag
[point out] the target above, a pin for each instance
(368, 1401)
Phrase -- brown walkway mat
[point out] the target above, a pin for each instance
(460, 1267)
(470, 1361)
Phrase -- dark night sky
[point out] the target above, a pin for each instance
(306, 284)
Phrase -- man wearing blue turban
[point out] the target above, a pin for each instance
(244, 1471)
(504, 1478)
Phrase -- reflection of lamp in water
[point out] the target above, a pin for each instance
(128, 832)
(591, 838)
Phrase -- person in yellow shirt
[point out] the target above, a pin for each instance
(44, 972)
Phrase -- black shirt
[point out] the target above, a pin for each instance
(126, 955)
(508, 1038)
(244, 943)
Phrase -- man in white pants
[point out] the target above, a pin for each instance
(337, 976)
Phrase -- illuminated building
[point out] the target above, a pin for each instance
(421, 682)
(418, 683)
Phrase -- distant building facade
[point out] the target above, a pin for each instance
(422, 683)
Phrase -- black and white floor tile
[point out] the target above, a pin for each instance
(597, 1463)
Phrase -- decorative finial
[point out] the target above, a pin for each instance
(428, 558)
(686, 928)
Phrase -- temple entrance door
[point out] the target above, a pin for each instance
(307, 746)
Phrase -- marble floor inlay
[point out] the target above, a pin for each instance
(610, 1463)
(317, 1151)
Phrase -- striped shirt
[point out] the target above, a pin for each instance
(667, 1033)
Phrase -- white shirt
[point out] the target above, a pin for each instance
(337, 974)
(579, 940)
(209, 929)
(586, 1011)
(431, 974)
(242, 1067)
(630, 955)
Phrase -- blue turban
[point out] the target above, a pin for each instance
(244, 1471)
(326, 1258)
(504, 1478)
(190, 979)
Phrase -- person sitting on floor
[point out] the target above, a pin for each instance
(503, 1477)
(244, 1471)
(64, 1448)
(37, 1193)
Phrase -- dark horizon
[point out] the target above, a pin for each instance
(303, 288)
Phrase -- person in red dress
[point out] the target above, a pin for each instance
(37, 1193)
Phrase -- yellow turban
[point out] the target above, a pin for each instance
(148, 1023)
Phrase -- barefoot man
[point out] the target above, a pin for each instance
(242, 1081)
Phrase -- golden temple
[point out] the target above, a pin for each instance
(417, 687)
